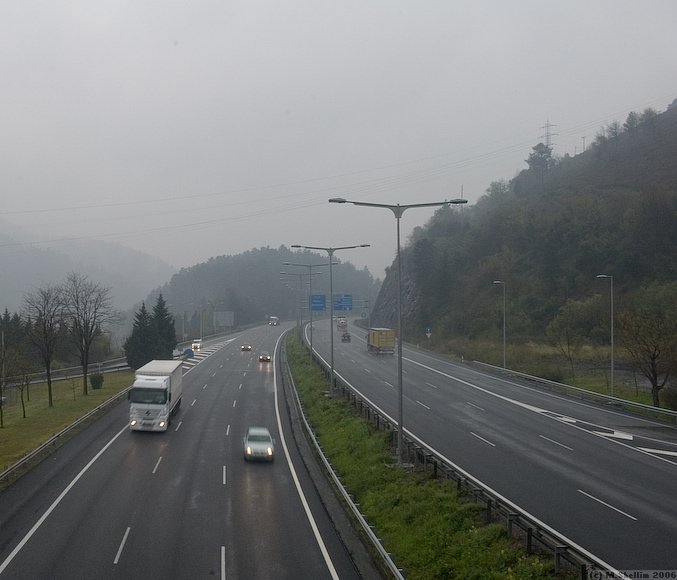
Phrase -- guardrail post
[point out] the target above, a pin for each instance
(559, 552)
(489, 503)
(512, 517)
(530, 534)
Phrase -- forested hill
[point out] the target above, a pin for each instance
(251, 286)
(547, 234)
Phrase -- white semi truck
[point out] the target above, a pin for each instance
(155, 395)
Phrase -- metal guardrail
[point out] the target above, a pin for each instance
(535, 533)
(361, 519)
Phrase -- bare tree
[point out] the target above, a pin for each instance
(649, 334)
(43, 307)
(87, 306)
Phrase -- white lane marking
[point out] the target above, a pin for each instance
(367, 371)
(433, 386)
(234, 403)
(483, 439)
(390, 385)
(304, 502)
(56, 502)
(122, 545)
(224, 475)
(223, 563)
(615, 435)
(556, 442)
(227, 430)
(157, 465)
(543, 412)
(627, 515)
(422, 405)
(194, 401)
(213, 375)
(178, 426)
(240, 387)
(476, 406)
(659, 451)
(204, 387)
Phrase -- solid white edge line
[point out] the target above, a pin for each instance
(122, 545)
(627, 515)
(556, 442)
(56, 502)
(483, 439)
(297, 483)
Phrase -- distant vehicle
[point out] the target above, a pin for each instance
(345, 337)
(188, 353)
(273, 321)
(341, 324)
(381, 340)
(258, 444)
(264, 357)
(197, 344)
(155, 395)
(245, 347)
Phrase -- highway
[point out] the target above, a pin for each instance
(112, 503)
(604, 478)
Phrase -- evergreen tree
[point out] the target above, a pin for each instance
(164, 329)
(140, 346)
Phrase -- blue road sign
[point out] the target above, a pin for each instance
(318, 302)
(343, 301)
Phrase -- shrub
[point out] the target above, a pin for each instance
(96, 380)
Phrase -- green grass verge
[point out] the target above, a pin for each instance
(20, 436)
(432, 531)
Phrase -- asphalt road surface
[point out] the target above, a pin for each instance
(604, 478)
(112, 503)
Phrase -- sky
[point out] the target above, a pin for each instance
(189, 130)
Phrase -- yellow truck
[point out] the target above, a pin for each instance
(381, 340)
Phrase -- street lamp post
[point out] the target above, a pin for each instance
(330, 251)
(502, 283)
(310, 294)
(611, 299)
(398, 210)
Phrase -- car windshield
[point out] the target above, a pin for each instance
(259, 438)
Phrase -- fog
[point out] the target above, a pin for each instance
(195, 129)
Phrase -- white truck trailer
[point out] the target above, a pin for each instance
(155, 395)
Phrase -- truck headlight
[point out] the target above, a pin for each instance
(133, 422)
(162, 423)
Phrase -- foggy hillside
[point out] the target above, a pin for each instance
(547, 234)
(129, 274)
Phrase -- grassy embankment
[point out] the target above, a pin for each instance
(20, 436)
(431, 530)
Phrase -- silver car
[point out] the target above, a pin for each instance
(258, 444)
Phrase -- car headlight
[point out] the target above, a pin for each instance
(270, 451)
(249, 450)
(162, 423)
(133, 422)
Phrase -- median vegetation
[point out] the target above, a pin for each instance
(431, 531)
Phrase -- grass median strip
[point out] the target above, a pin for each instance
(432, 532)
(19, 436)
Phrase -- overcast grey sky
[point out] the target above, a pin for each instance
(195, 129)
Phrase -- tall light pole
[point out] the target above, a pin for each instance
(310, 294)
(398, 210)
(611, 287)
(502, 283)
(330, 251)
